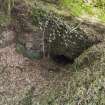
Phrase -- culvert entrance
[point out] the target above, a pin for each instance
(61, 59)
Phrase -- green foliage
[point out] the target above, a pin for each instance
(28, 53)
(39, 17)
(101, 15)
(33, 55)
(73, 6)
(27, 100)
(4, 20)
(6, 6)
(20, 48)
(100, 4)
(79, 8)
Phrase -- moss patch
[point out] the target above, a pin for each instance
(28, 53)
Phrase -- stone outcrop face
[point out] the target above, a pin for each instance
(31, 41)
(28, 36)
(47, 33)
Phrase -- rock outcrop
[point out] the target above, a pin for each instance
(48, 33)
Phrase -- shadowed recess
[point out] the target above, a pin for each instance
(61, 59)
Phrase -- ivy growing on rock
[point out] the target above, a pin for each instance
(50, 34)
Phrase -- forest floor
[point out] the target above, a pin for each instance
(19, 74)
(27, 82)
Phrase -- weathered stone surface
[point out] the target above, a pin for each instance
(32, 43)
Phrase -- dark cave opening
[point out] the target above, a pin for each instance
(61, 59)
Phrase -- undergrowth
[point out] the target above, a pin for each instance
(79, 7)
(27, 100)
(4, 20)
